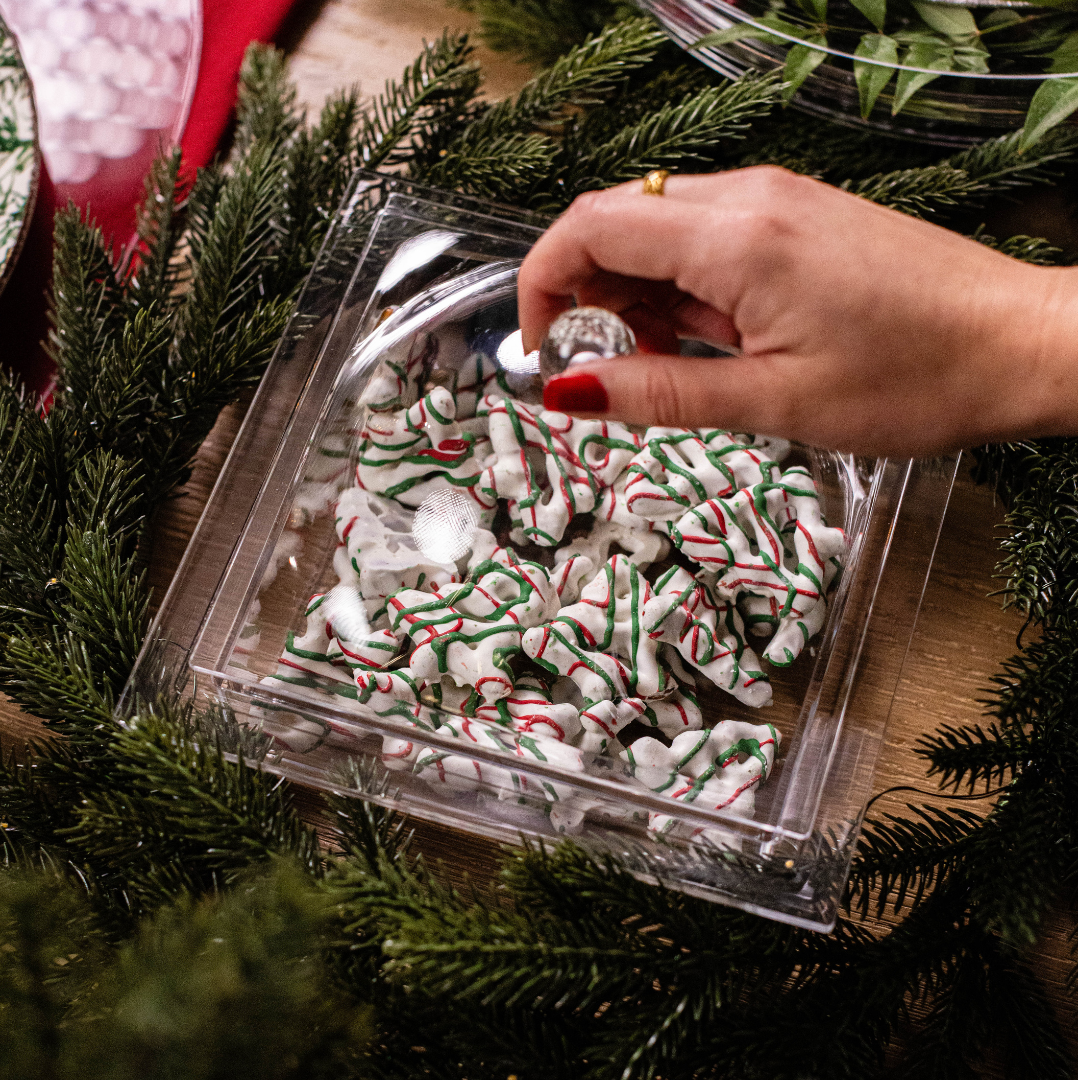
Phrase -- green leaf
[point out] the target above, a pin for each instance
(951, 20)
(870, 78)
(874, 10)
(816, 9)
(738, 32)
(1063, 58)
(1000, 18)
(742, 32)
(934, 55)
(801, 61)
(971, 58)
(1053, 101)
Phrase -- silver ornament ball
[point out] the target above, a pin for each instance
(584, 333)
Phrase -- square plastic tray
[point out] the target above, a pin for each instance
(406, 268)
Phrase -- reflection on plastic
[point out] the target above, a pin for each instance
(444, 525)
(413, 254)
(512, 357)
(344, 611)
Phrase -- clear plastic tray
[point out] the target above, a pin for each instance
(407, 268)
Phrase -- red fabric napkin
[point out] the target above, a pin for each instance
(228, 27)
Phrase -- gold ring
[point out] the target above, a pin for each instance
(654, 182)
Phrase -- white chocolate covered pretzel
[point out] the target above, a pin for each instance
(768, 541)
(678, 469)
(717, 769)
(601, 642)
(709, 637)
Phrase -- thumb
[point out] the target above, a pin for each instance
(729, 392)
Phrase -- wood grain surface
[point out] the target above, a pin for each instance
(962, 635)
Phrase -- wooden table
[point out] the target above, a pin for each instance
(962, 635)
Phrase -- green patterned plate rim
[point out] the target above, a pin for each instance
(19, 159)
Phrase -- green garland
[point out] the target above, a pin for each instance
(165, 912)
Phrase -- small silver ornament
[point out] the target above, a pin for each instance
(584, 333)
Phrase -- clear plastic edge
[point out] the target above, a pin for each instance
(797, 867)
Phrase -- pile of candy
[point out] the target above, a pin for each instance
(654, 556)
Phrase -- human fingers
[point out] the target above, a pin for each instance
(722, 233)
(679, 391)
(756, 395)
(601, 245)
(658, 312)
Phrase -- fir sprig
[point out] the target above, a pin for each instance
(541, 31)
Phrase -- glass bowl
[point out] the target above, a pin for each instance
(956, 109)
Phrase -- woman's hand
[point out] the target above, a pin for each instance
(861, 329)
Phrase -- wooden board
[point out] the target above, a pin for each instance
(962, 635)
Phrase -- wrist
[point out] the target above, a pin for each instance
(1032, 336)
(1052, 352)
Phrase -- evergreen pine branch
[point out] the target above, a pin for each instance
(905, 857)
(317, 169)
(432, 96)
(541, 31)
(958, 1026)
(238, 979)
(87, 310)
(31, 814)
(266, 110)
(1029, 249)
(1014, 868)
(676, 136)
(1030, 1039)
(54, 678)
(156, 267)
(816, 147)
(51, 957)
(921, 192)
(97, 578)
(583, 76)
(177, 815)
(500, 168)
(226, 330)
(975, 755)
(113, 404)
(1001, 166)
(366, 831)
(31, 540)
(206, 191)
(1038, 563)
(104, 492)
(500, 154)
(669, 77)
(992, 167)
(373, 900)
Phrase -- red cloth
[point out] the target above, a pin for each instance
(228, 27)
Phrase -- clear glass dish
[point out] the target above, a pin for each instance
(956, 109)
(410, 273)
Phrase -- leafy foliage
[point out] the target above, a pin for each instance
(913, 41)
(130, 852)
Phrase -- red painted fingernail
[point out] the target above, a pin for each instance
(576, 392)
